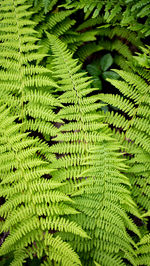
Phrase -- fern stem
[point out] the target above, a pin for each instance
(20, 70)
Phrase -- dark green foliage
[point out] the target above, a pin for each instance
(99, 69)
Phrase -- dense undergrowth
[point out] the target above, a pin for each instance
(74, 132)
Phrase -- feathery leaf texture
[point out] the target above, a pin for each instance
(18, 57)
(128, 12)
(33, 204)
(68, 194)
(87, 159)
(143, 253)
(132, 116)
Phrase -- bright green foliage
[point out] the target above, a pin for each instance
(47, 4)
(18, 55)
(128, 12)
(135, 125)
(86, 157)
(112, 8)
(73, 191)
(21, 54)
(60, 23)
(144, 251)
(103, 201)
(34, 205)
(144, 59)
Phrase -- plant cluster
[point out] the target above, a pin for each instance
(75, 132)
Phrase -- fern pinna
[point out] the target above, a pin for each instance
(87, 158)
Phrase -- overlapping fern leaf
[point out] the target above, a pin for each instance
(128, 13)
(59, 22)
(118, 40)
(112, 8)
(87, 158)
(18, 54)
(34, 207)
(29, 83)
(46, 4)
(143, 253)
(103, 200)
(72, 194)
(132, 117)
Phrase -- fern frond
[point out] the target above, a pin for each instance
(144, 251)
(28, 195)
(87, 50)
(135, 92)
(20, 53)
(58, 23)
(57, 246)
(86, 159)
(24, 163)
(127, 13)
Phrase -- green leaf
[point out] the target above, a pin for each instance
(97, 83)
(96, 13)
(110, 75)
(6, 261)
(46, 4)
(97, 264)
(105, 108)
(93, 70)
(104, 26)
(34, 262)
(106, 61)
